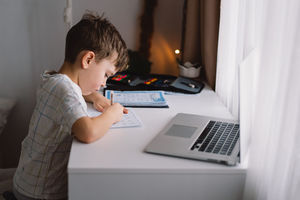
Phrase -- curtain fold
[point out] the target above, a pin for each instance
(259, 47)
(274, 148)
(203, 20)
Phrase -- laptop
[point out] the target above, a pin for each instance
(199, 137)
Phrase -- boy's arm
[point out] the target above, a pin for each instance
(99, 101)
(88, 129)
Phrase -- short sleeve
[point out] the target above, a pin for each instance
(71, 105)
(71, 109)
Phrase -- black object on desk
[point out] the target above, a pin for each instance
(122, 81)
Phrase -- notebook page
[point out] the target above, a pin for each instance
(128, 120)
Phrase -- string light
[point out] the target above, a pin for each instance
(177, 51)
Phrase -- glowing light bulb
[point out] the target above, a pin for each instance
(177, 51)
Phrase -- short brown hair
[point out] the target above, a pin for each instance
(96, 34)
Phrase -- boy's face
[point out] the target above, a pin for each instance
(95, 75)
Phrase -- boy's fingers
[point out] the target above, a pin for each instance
(98, 107)
(125, 111)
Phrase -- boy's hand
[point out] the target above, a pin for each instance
(125, 110)
(100, 102)
(116, 111)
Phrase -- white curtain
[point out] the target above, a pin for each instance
(263, 68)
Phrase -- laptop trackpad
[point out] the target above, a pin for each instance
(181, 131)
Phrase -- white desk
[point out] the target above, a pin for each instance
(115, 167)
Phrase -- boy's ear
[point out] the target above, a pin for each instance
(87, 58)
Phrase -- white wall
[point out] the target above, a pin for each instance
(122, 14)
(32, 39)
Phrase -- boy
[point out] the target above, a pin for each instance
(94, 51)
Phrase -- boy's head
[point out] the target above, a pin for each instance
(95, 42)
(96, 34)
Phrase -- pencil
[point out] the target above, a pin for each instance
(111, 98)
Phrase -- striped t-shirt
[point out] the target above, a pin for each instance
(42, 169)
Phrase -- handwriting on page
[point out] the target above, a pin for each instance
(128, 120)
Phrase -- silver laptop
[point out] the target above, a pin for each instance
(199, 137)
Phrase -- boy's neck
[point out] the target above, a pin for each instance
(68, 69)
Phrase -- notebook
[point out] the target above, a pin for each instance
(199, 137)
(146, 99)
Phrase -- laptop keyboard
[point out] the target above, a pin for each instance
(218, 137)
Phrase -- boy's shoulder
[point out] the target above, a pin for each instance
(60, 92)
(59, 84)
